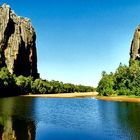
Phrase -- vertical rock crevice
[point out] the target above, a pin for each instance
(10, 29)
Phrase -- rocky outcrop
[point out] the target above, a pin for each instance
(135, 45)
(17, 43)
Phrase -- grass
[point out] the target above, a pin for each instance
(122, 98)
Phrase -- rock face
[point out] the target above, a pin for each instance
(135, 45)
(17, 43)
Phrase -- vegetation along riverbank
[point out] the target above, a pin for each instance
(11, 85)
(126, 79)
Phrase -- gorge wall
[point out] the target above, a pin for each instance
(135, 45)
(17, 43)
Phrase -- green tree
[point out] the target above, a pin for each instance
(24, 84)
(106, 84)
(7, 83)
(122, 80)
(41, 87)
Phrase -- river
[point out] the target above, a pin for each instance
(27, 118)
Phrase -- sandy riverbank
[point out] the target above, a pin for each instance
(119, 98)
(87, 94)
(64, 95)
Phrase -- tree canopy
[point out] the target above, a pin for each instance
(124, 81)
(11, 85)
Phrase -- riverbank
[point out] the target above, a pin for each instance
(119, 98)
(65, 95)
(86, 95)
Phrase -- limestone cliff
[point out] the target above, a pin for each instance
(135, 45)
(17, 43)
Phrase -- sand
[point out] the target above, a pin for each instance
(86, 95)
(65, 95)
(119, 98)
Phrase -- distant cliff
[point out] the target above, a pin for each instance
(135, 45)
(17, 43)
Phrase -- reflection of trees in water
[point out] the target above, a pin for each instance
(13, 126)
(128, 118)
(121, 117)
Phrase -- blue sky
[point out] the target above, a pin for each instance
(78, 39)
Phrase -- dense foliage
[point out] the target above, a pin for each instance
(125, 81)
(11, 85)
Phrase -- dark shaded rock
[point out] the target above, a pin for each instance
(17, 43)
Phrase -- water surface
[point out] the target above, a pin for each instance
(26, 118)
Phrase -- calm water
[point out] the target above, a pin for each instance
(68, 119)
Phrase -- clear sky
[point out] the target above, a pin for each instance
(78, 39)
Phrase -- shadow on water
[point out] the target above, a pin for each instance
(13, 125)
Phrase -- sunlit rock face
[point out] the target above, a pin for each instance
(17, 43)
(135, 45)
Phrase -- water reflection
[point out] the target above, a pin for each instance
(128, 115)
(120, 120)
(68, 119)
(13, 125)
